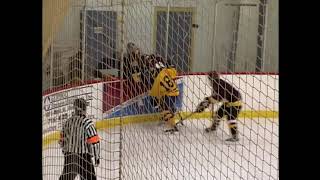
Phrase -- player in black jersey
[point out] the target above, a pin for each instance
(223, 91)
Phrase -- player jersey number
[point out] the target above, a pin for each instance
(168, 81)
(168, 84)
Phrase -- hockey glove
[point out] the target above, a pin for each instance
(205, 104)
(96, 161)
(202, 106)
(210, 100)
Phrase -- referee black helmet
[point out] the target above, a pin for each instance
(80, 104)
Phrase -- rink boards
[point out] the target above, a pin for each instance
(259, 92)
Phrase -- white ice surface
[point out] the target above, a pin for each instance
(148, 153)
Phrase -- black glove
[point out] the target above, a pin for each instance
(202, 106)
(207, 99)
(96, 161)
(200, 109)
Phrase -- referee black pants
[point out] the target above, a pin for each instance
(75, 164)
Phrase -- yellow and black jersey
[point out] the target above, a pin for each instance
(225, 92)
(164, 83)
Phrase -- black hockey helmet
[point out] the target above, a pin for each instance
(80, 104)
(213, 75)
(132, 48)
(130, 45)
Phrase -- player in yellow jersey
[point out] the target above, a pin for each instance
(164, 88)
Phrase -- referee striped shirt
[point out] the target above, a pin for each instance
(79, 135)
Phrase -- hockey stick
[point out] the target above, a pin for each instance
(188, 116)
(183, 119)
(180, 121)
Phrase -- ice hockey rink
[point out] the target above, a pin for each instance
(149, 153)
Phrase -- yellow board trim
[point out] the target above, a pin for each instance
(113, 122)
(47, 140)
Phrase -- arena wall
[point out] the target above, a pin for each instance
(140, 14)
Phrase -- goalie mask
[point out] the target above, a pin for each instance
(80, 105)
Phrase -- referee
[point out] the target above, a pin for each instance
(80, 142)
